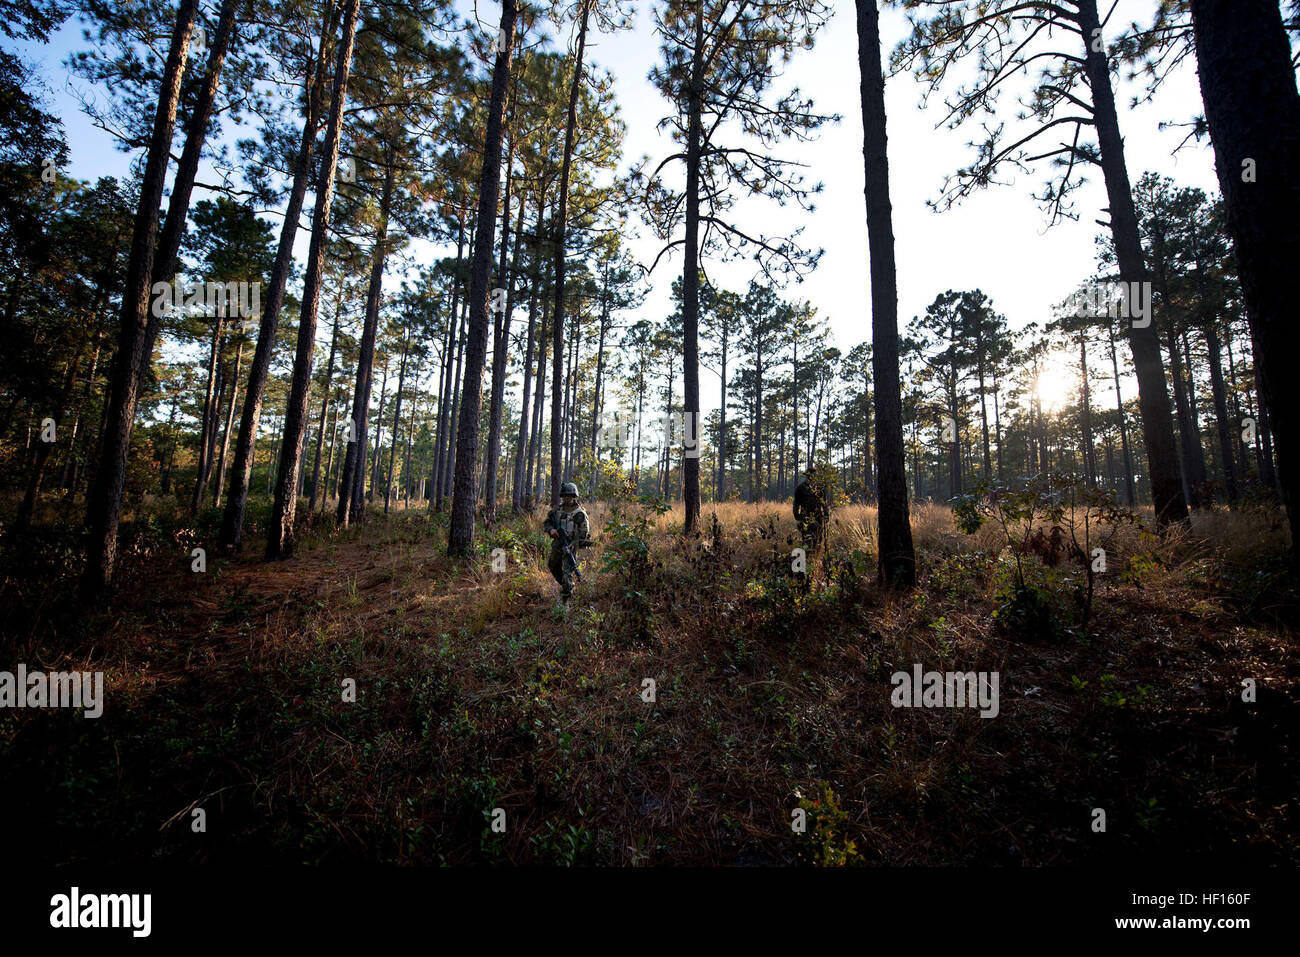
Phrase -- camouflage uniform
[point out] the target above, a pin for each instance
(573, 519)
(811, 513)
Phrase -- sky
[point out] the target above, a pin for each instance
(997, 240)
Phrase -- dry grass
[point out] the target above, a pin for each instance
(476, 692)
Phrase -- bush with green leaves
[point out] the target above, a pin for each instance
(828, 825)
(853, 574)
(509, 540)
(610, 480)
(627, 557)
(825, 481)
(1057, 517)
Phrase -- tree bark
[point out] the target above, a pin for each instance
(230, 421)
(211, 400)
(691, 284)
(525, 410)
(397, 421)
(557, 312)
(1252, 107)
(460, 536)
(1153, 394)
(897, 561)
(324, 407)
(104, 508)
(445, 388)
(241, 471)
(351, 508)
(280, 535)
(500, 346)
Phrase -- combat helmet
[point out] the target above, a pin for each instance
(568, 488)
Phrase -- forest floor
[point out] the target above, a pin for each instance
(772, 692)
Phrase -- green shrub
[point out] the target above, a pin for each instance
(627, 557)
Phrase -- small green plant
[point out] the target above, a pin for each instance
(627, 557)
(1027, 611)
(564, 845)
(1149, 814)
(1113, 696)
(505, 538)
(827, 823)
(852, 574)
(1140, 566)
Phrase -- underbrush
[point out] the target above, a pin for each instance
(695, 695)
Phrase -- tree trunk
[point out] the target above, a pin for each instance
(331, 472)
(997, 428)
(539, 401)
(166, 481)
(596, 404)
(408, 478)
(1198, 451)
(897, 560)
(280, 535)
(1222, 423)
(23, 519)
(397, 420)
(232, 521)
(720, 493)
(984, 413)
(1130, 492)
(461, 533)
(72, 469)
(445, 423)
(1186, 469)
(557, 313)
(378, 451)
(324, 406)
(571, 398)
(135, 344)
(211, 399)
(1089, 453)
(1153, 394)
(691, 284)
(757, 489)
(1219, 392)
(525, 413)
(1252, 107)
(351, 508)
(1264, 444)
(956, 481)
(449, 460)
(230, 421)
(500, 347)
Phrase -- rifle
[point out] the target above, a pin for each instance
(568, 549)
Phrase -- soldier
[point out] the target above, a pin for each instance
(570, 517)
(810, 511)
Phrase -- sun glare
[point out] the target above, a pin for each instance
(1054, 385)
